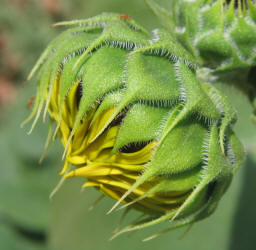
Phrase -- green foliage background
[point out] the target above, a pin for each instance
(29, 220)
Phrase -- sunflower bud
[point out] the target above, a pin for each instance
(136, 121)
(221, 32)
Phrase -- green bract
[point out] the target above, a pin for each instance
(136, 121)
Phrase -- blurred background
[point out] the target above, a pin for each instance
(28, 218)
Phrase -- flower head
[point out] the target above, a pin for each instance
(222, 33)
(136, 121)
